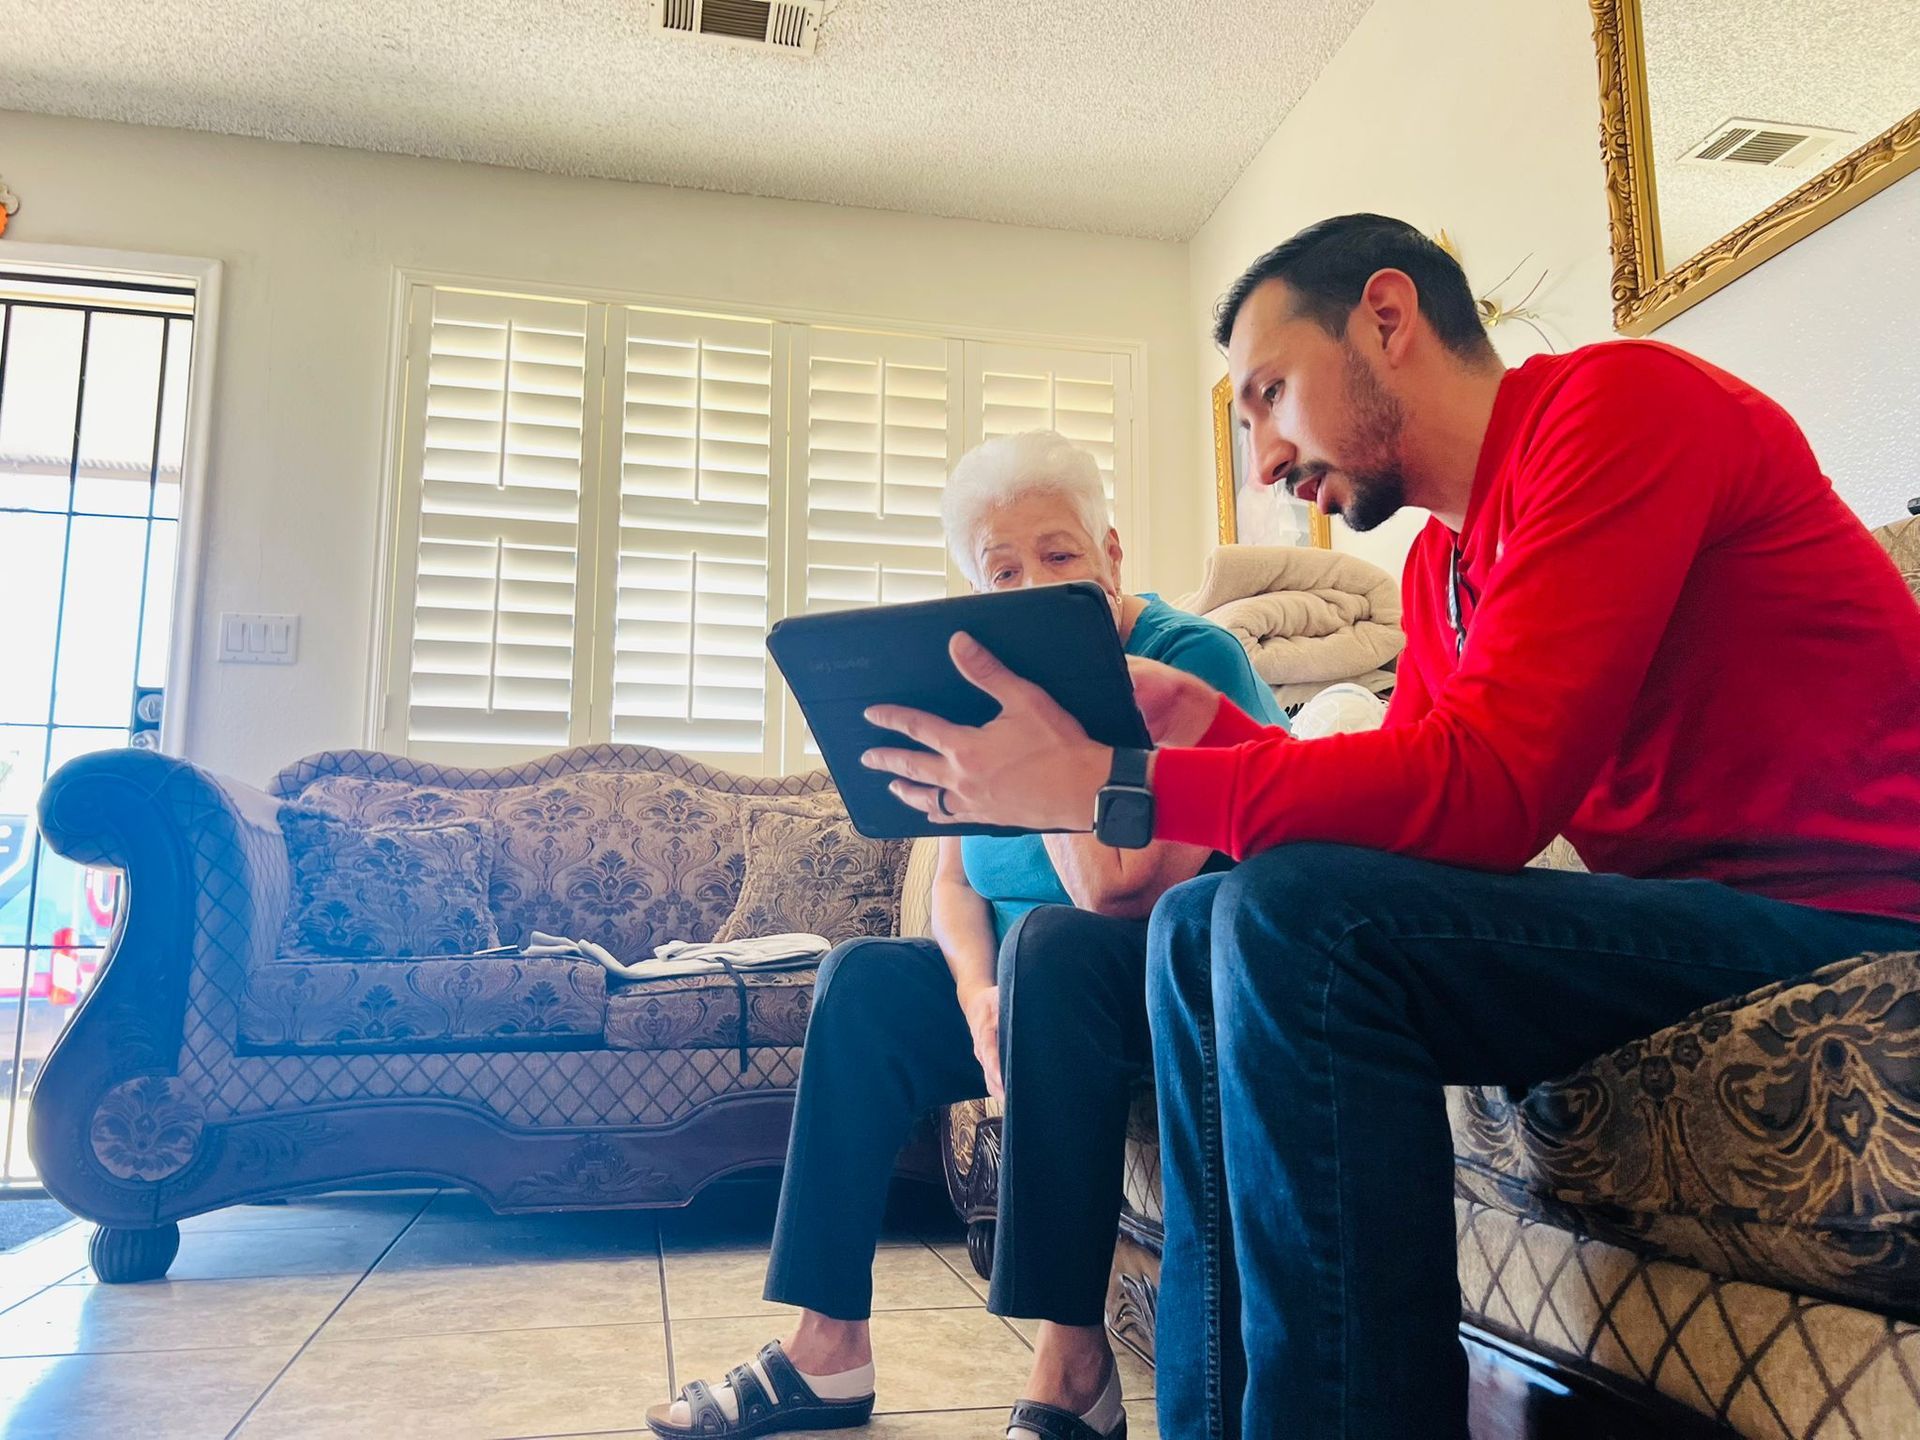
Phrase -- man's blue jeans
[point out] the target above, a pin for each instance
(1307, 1009)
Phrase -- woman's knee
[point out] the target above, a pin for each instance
(853, 982)
(1051, 938)
(1058, 959)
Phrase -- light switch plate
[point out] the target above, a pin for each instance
(259, 639)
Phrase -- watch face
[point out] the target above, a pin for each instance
(1126, 818)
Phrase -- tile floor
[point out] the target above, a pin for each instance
(420, 1314)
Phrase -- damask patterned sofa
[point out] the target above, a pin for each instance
(208, 1067)
(1715, 1231)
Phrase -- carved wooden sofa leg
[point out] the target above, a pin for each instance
(980, 1247)
(124, 1257)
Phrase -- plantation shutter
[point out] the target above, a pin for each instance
(875, 430)
(500, 417)
(1084, 394)
(603, 507)
(701, 456)
(872, 414)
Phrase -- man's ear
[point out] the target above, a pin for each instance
(1388, 313)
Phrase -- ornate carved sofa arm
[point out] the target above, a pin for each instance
(118, 1113)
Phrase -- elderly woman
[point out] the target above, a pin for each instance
(1033, 989)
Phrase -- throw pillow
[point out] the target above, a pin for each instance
(397, 890)
(812, 872)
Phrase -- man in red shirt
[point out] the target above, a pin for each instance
(1640, 617)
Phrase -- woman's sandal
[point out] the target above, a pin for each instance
(1050, 1422)
(791, 1406)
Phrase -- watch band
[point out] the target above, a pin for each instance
(1129, 768)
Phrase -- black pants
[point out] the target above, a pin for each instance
(887, 1041)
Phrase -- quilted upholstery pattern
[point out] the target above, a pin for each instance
(1901, 540)
(1768, 1364)
(360, 1005)
(1773, 1138)
(1140, 1180)
(698, 1012)
(536, 1088)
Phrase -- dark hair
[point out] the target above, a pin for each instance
(1328, 265)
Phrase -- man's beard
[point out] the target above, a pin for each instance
(1372, 440)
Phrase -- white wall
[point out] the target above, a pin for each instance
(311, 238)
(1482, 117)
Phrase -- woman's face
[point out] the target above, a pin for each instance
(1040, 539)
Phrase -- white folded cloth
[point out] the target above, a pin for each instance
(682, 957)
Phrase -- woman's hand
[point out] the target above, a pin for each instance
(982, 1009)
(1179, 708)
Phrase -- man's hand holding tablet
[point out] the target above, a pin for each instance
(1031, 766)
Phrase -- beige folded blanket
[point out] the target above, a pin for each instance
(1306, 617)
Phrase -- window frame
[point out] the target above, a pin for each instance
(189, 569)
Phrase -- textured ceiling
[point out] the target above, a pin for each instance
(1839, 64)
(1128, 119)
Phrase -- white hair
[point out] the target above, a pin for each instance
(1000, 471)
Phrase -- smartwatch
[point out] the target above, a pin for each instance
(1123, 815)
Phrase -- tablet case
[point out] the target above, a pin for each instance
(1061, 637)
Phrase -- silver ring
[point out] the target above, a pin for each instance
(942, 793)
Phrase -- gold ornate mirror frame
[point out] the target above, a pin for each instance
(1226, 483)
(1646, 294)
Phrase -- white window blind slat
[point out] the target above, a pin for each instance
(502, 428)
(691, 600)
(605, 506)
(875, 419)
(1082, 394)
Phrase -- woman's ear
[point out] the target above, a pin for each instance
(1114, 555)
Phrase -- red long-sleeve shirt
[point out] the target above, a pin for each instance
(1686, 654)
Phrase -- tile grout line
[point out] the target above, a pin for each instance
(1012, 1329)
(666, 1309)
(964, 1276)
(358, 1336)
(36, 1294)
(281, 1374)
(951, 1410)
(53, 1284)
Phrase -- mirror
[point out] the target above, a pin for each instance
(1732, 130)
(1255, 514)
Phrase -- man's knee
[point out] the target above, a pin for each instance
(1178, 942)
(1309, 887)
(1285, 920)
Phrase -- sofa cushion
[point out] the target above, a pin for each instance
(465, 1004)
(1774, 1138)
(627, 859)
(702, 1012)
(809, 871)
(386, 890)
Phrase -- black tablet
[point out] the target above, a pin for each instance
(1061, 637)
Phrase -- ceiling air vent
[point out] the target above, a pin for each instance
(790, 25)
(1765, 144)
